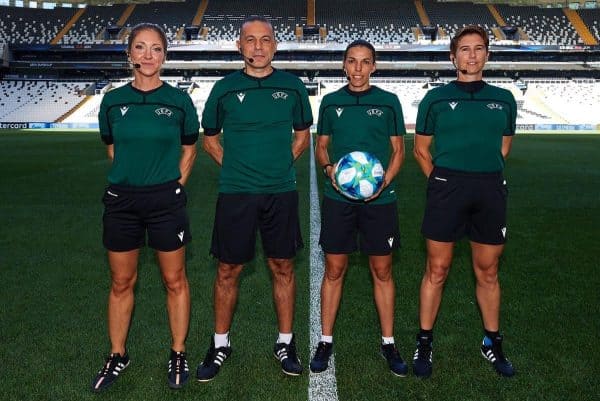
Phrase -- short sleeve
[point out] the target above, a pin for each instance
(397, 126)
(302, 111)
(104, 123)
(512, 117)
(191, 126)
(425, 124)
(324, 122)
(212, 116)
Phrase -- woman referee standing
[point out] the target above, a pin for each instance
(150, 129)
(471, 124)
(360, 116)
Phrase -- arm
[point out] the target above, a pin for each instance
(506, 144)
(110, 151)
(300, 142)
(212, 145)
(396, 160)
(422, 153)
(188, 156)
(322, 157)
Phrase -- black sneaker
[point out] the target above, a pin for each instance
(394, 360)
(213, 360)
(179, 372)
(115, 363)
(423, 359)
(491, 349)
(320, 361)
(286, 355)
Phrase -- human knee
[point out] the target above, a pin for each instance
(334, 272)
(228, 273)
(122, 285)
(437, 271)
(176, 283)
(487, 275)
(382, 274)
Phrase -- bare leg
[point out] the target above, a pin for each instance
(336, 266)
(172, 265)
(485, 265)
(284, 292)
(439, 259)
(384, 292)
(225, 295)
(123, 269)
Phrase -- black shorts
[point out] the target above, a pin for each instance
(130, 212)
(346, 227)
(465, 204)
(238, 216)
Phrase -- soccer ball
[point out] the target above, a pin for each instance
(358, 175)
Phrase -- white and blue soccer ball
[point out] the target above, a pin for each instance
(358, 175)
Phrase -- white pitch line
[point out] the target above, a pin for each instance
(321, 386)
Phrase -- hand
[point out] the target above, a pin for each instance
(376, 194)
(331, 175)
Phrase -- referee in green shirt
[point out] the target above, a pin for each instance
(360, 117)
(150, 129)
(470, 125)
(256, 110)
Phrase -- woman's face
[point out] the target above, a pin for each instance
(148, 51)
(358, 66)
(470, 57)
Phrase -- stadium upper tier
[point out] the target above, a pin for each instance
(223, 19)
(539, 101)
(379, 21)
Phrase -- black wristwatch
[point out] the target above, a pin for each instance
(325, 169)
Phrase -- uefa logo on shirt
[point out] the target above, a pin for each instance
(279, 95)
(163, 111)
(374, 112)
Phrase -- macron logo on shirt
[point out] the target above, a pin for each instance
(339, 111)
(124, 110)
(241, 96)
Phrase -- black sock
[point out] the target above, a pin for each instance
(426, 334)
(492, 335)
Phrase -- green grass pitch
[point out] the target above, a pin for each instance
(55, 283)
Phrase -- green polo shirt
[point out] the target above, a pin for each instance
(468, 121)
(147, 130)
(256, 116)
(362, 121)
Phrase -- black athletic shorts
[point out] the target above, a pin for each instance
(346, 227)
(239, 216)
(465, 204)
(159, 210)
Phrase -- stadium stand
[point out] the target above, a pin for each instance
(223, 18)
(180, 14)
(378, 21)
(43, 101)
(453, 16)
(20, 25)
(89, 28)
(591, 17)
(547, 26)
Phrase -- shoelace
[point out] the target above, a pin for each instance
(423, 352)
(110, 365)
(321, 350)
(180, 364)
